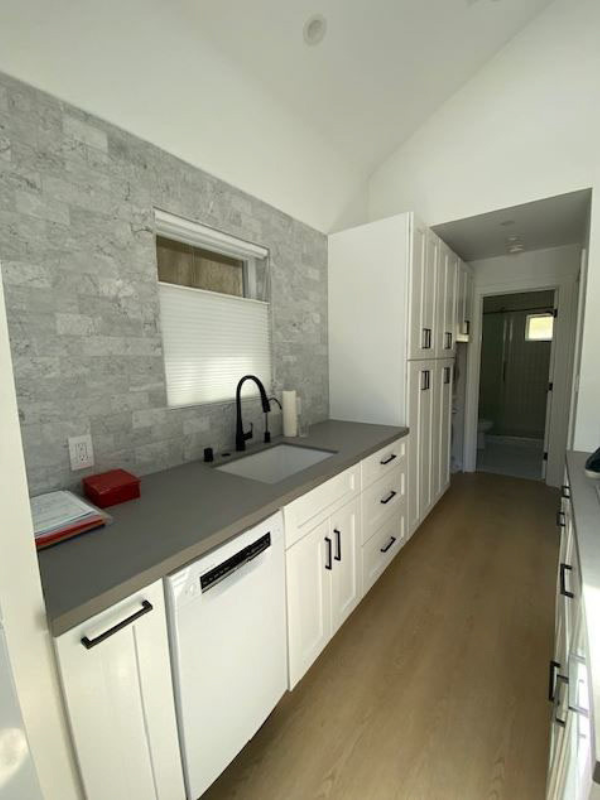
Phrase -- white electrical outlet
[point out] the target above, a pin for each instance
(81, 451)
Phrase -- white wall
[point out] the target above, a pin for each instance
(22, 604)
(146, 66)
(556, 268)
(527, 126)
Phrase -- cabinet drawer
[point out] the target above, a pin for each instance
(303, 514)
(381, 548)
(383, 461)
(382, 500)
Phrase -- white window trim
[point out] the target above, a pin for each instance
(184, 230)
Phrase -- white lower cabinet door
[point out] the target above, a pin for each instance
(344, 526)
(420, 422)
(116, 677)
(309, 564)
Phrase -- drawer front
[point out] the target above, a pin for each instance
(382, 500)
(384, 461)
(303, 514)
(380, 550)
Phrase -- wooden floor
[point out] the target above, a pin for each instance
(435, 688)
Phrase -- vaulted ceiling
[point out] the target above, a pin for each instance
(382, 68)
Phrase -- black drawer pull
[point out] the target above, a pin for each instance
(560, 519)
(390, 496)
(329, 564)
(338, 557)
(388, 545)
(563, 589)
(565, 492)
(554, 666)
(145, 609)
(388, 460)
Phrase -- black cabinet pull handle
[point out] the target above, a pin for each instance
(467, 326)
(388, 545)
(425, 380)
(448, 345)
(563, 588)
(426, 338)
(329, 564)
(566, 492)
(446, 375)
(554, 666)
(145, 609)
(338, 556)
(388, 460)
(387, 499)
(560, 519)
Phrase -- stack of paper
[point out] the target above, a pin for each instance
(60, 515)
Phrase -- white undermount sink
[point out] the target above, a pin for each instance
(276, 463)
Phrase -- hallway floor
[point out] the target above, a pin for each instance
(509, 455)
(435, 688)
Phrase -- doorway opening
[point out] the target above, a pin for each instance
(515, 385)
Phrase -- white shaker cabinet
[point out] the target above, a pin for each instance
(446, 303)
(442, 437)
(423, 288)
(421, 424)
(323, 584)
(465, 299)
(116, 677)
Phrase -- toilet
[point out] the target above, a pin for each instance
(483, 426)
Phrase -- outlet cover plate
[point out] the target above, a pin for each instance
(81, 452)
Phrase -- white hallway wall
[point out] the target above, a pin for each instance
(527, 126)
(148, 67)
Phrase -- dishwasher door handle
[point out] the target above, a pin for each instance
(222, 571)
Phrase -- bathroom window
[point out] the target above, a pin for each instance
(539, 327)
(215, 311)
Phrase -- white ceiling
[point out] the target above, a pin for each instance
(382, 69)
(553, 222)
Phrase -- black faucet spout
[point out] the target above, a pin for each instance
(242, 437)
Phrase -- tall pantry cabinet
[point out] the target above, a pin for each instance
(393, 326)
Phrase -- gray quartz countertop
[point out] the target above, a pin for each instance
(585, 503)
(183, 513)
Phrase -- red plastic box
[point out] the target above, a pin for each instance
(110, 488)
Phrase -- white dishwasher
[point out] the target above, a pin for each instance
(227, 626)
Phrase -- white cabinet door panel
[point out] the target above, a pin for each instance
(344, 526)
(416, 297)
(379, 552)
(119, 696)
(382, 500)
(309, 564)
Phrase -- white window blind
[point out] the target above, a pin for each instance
(210, 341)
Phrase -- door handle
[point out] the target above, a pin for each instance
(388, 460)
(563, 589)
(388, 545)
(387, 499)
(329, 564)
(145, 609)
(338, 556)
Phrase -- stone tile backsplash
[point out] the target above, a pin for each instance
(78, 259)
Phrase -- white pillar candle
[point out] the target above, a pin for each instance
(290, 413)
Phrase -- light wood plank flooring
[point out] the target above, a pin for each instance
(435, 688)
